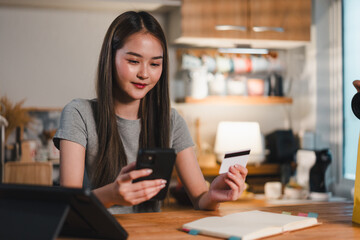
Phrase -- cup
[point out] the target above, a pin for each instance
(273, 190)
(295, 193)
(236, 86)
(255, 87)
(53, 152)
(28, 149)
(199, 83)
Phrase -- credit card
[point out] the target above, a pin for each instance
(232, 158)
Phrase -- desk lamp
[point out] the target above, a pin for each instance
(235, 136)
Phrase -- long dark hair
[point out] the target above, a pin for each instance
(154, 110)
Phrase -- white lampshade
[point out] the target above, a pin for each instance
(235, 136)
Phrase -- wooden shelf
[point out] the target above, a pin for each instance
(43, 109)
(253, 170)
(246, 100)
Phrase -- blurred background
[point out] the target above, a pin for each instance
(285, 66)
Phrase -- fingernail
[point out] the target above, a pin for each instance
(149, 170)
(163, 181)
(162, 186)
(230, 174)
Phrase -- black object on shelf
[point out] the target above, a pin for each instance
(40, 212)
(317, 172)
(18, 150)
(282, 146)
(355, 105)
(275, 82)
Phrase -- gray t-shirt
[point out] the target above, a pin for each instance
(77, 124)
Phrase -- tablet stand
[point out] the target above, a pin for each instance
(31, 219)
(43, 212)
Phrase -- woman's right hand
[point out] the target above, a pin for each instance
(127, 193)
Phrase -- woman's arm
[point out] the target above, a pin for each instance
(120, 192)
(72, 164)
(225, 187)
(192, 178)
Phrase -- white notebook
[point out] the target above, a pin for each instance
(250, 225)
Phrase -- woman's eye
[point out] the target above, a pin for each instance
(133, 61)
(155, 64)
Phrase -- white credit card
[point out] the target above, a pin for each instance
(232, 158)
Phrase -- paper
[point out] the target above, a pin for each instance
(232, 158)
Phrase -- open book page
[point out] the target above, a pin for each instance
(249, 225)
(226, 227)
(287, 222)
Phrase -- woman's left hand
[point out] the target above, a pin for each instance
(228, 186)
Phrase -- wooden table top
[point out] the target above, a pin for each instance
(335, 218)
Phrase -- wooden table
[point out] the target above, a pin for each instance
(335, 219)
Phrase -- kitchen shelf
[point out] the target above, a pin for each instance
(253, 170)
(248, 100)
(263, 169)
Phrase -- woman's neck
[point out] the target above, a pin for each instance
(128, 110)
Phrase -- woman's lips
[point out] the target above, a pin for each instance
(139, 85)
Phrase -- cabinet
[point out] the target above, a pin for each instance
(246, 19)
(201, 18)
(280, 19)
(38, 173)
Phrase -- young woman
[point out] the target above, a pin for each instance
(99, 139)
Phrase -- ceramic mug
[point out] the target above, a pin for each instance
(255, 87)
(295, 193)
(199, 83)
(273, 190)
(53, 152)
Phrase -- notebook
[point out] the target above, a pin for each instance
(249, 225)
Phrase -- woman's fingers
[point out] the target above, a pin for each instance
(237, 172)
(242, 170)
(235, 193)
(132, 175)
(138, 186)
(146, 193)
(236, 178)
(230, 185)
(129, 192)
(128, 168)
(138, 193)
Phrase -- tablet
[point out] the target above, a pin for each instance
(42, 212)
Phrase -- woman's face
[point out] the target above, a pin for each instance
(138, 66)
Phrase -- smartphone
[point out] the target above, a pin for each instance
(161, 161)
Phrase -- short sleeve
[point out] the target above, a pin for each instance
(180, 135)
(72, 123)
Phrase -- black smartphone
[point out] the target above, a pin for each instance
(161, 161)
